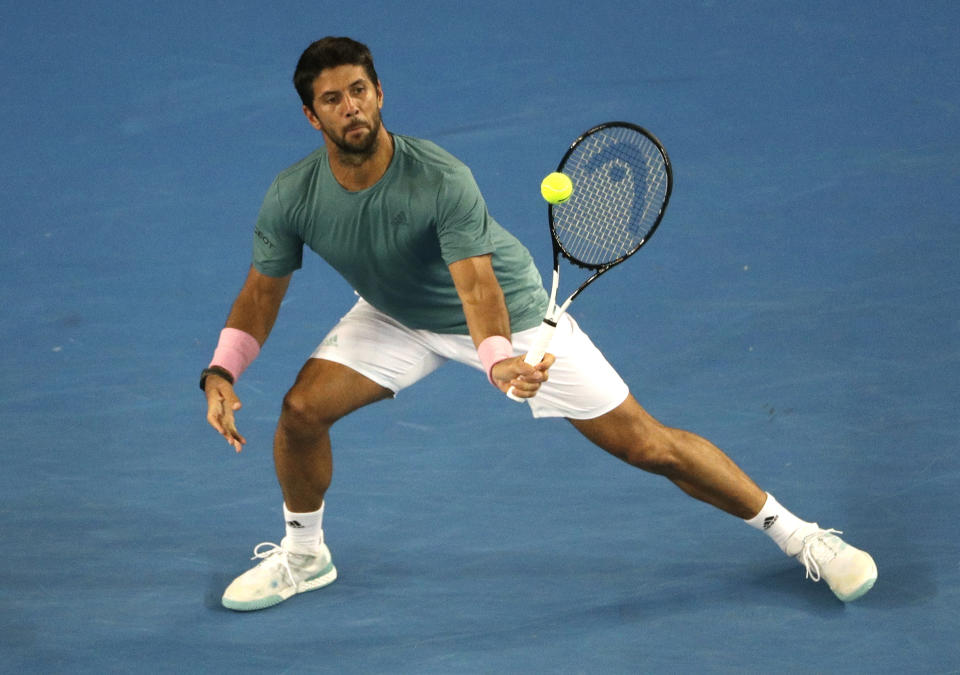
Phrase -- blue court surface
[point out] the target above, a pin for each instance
(798, 306)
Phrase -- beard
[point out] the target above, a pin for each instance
(358, 151)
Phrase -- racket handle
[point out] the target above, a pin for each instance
(537, 350)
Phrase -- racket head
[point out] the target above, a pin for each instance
(622, 180)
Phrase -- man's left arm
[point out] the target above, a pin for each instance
(487, 316)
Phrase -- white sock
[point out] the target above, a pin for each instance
(777, 522)
(304, 530)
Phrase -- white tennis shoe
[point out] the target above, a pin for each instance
(848, 571)
(279, 575)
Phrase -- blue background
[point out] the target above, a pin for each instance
(799, 307)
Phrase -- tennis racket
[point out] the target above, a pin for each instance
(621, 185)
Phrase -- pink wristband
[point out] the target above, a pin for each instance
(235, 351)
(492, 351)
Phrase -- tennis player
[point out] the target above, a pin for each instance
(438, 280)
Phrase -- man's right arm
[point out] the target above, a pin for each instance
(254, 312)
(256, 307)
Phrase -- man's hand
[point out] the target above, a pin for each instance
(222, 402)
(524, 379)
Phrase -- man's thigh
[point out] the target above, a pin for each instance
(582, 383)
(333, 388)
(379, 348)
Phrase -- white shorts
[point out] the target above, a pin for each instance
(582, 384)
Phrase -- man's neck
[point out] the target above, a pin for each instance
(358, 173)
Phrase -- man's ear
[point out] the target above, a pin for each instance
(312, 118)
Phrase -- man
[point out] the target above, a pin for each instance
(438, 279)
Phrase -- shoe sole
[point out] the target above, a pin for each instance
(325, 577)
(862, 589)
(859, 593)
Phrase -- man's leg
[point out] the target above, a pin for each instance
(701, 470)
(693, 463)
(324, 392)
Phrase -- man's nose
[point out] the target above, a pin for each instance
(350, 106)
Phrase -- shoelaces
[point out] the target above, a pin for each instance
(807, 556)
(283, 561)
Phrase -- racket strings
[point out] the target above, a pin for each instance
(620, 183)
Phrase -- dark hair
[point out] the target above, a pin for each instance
(330, 52)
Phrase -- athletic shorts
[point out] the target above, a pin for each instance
(582, 384)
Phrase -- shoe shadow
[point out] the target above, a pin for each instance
(897, 587)
(789, 586)
(214, 592)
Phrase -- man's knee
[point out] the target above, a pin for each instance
(303, 411)
(653, 452)
(631, 434)
(644, 443)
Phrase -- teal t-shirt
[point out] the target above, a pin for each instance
(393, 241)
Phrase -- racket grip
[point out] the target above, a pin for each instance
(537, 350)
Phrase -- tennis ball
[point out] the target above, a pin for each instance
(556, 188)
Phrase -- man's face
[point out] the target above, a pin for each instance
(346, 108)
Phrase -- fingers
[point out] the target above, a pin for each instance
(522, 388)
(547, 361)
(230, 432)
(222, 402)
(521, 379)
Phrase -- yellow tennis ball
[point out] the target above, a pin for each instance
(556, 188)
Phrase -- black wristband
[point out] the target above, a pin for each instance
(214, 370)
